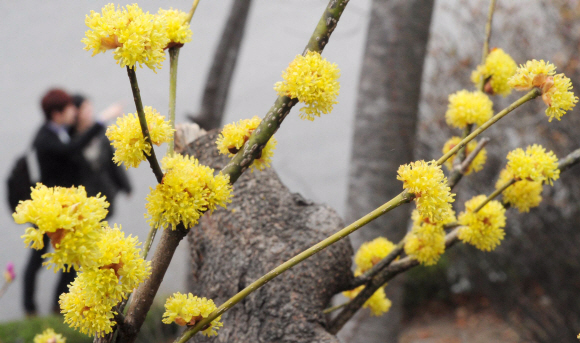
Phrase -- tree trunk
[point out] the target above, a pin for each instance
(384, 135)
(264, 226)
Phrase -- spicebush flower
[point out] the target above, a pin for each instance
(534, 164)
(69, 218)
(176, 26)
(483, 229)
(378, 303)
(136, 37)
(371, 253)
(127, 138)
(523, 194)
(468, 108)
(477, 163)
(556, 89)
(187, 309)
(49, 336)
(313, 81)
(188, 190)
(427, 181)
(233, 137)
(496, 71)
(426, 241)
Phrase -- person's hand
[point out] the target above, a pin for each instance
(112, 112)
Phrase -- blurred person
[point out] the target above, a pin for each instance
(98, 173)
(60, 160)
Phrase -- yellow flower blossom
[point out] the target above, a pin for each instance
(477, 163)
(313, 81)
(135, 36)
(535, 164)
(127, 138)
(556, 89)
(532, 74)
(90, 317)
(378, 303)
(427, 181)
(370, 253)
(559, 97)
(233, 137)
(496, 71)
(71, 220)
(49, 336)
(188, 190)
(523, 194)
(468, 108)
(483, 229)
(177, 27)
(426, 241)
(187, 309)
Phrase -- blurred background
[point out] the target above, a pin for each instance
(527, 288)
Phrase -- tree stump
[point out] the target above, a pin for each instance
(265, 225)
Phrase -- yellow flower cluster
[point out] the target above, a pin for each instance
(426, 241)
(556, 89)
(313, 81)
(187, 309)
(483, 229)
(188, 190)
(523, 194)
(534, 164)
(49, 336)
(496, 71)
(109, 263)
(96, 290)
(468, 108)
(127, 138)
(532, 74)
(477, 163)
(176, 25)
(71, 220)
(135, 36)
(233, 137)
(427, 181)
(378, 303)
(370, 253)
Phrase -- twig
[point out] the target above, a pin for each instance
(377, 282)
(464, 166)
(385, 262)
(494, 194)
(334, 308)
(173, 58)
(191, 11)
(485, 52)
(529, 96)
(153, 163)
(569, 161)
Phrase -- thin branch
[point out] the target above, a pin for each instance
(495, 194)
(191, 11)
(569, 161)
(534, 93)
(377, 282)
(334, 308)
(220, 75)
(464, 166)
(385, 262)
(485, 52)
(153, 163)
(173, 59)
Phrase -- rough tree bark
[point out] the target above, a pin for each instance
(265, 225)
(222, 69)
(384, 133)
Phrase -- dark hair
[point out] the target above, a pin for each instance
(78, 99)
(55, 100)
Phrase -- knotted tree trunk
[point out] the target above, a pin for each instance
(264, 226)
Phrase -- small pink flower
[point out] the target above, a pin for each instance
(9, 273)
